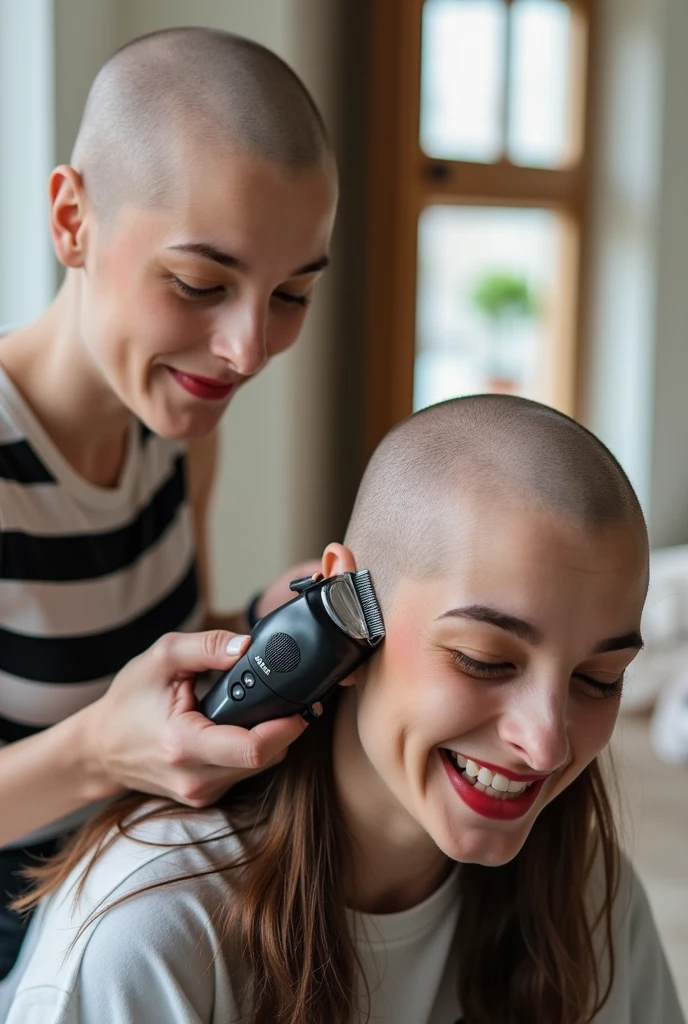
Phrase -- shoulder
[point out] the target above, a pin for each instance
(162, 941)
(643, 988)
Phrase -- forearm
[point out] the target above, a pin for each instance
(47, 776)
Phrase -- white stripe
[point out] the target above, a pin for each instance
(29, 703)
(95, 606)
(39, 704)
(9, 431)
(50, 510)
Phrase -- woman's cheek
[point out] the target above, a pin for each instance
(592, 728)
(589, 733)
(284, 334)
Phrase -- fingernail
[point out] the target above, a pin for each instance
(317, 708)
(236, 643)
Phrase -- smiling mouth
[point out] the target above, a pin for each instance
(486, 781)
(202, 387)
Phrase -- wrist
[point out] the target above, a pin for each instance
(93, 779)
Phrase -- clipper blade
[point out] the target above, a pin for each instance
(369, 605)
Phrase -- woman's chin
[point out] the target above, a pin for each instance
(178, 427)
(473, 844)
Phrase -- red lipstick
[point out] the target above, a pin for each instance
(202, 387)
(490, 806)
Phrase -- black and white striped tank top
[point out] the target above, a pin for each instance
(89, 576)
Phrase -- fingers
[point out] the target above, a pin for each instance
(248, 749)
(181, 654)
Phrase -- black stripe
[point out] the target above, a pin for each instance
(72, 557)
(11, 731)
(80, 659)
(145, 433)
(18, 461)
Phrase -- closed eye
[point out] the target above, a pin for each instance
(612, 689)
(498, 669)
(195, 293)
(294, 300)
(482, 669)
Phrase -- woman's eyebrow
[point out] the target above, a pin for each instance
(225, 259)
(632, 639)
(209, 252)
(526, 631)
(483, 613)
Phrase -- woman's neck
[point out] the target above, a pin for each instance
(393, 863)
(83, 417)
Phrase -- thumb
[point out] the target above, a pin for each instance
(178, 655)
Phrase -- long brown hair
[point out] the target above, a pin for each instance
(525, 934)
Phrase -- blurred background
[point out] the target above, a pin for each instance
(513, 219)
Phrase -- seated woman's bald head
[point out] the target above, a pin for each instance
(171, 94)
(462, 456)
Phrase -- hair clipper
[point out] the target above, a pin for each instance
(300, 652)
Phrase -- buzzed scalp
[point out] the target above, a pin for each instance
(196, 86)
(470, 450)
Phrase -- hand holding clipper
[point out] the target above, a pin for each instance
(300, 652)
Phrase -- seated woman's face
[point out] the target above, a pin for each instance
(499, 681)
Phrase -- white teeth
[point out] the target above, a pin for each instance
(496, 784)
(500, 783)
(516, 787)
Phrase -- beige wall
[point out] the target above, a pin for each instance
(669, 434)
(637, 367)
(27, 270)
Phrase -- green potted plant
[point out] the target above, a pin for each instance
(506, 300)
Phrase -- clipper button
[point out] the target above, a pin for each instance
(248, 679)
(238, 692)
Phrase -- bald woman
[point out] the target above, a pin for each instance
(193, 221)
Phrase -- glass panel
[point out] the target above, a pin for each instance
(486, 277)
(462, 79)
(539, 83)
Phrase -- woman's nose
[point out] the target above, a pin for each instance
(536, 726)
(240, 339)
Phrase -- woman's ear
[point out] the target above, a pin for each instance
(67, 215)
(336, 558)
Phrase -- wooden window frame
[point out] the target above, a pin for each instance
(402, 180)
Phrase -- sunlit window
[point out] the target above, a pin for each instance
(496, 81)
(485, 283)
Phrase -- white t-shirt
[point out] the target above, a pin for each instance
(151, 960)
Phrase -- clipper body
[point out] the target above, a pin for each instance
(300, 652)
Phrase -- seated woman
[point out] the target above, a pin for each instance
(440, 846)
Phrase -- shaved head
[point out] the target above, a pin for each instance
(166, 97)
(457, 458)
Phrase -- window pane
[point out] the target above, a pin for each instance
(486, 277)
(462, 79)
(539, 83)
